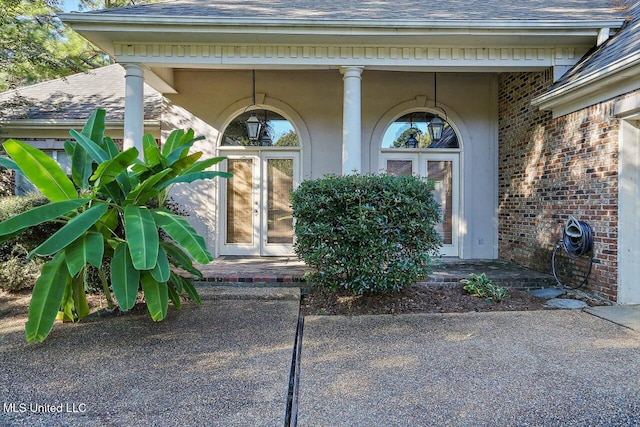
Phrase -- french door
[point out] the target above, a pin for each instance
(256, 209)
(443, 170)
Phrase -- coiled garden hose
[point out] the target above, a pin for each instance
(577, 241)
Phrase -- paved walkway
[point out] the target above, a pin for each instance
(228, 363)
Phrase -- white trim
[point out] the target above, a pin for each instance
(278, 106)
(618, 78)
(628, 208)
(398, 56)
(189, 22)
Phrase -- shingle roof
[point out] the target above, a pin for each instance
(76, 97)
(525, 10)
(625, 44)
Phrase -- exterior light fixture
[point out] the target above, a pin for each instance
(265, 139)
(412, 142)
(436, 126)
(253, 123)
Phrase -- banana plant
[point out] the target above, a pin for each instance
(112, 211)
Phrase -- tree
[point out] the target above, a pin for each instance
(289, 139)
(35, 45)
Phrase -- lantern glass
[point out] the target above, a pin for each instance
(253, 127)
(436, 126)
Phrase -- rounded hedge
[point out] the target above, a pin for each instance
(366, 233)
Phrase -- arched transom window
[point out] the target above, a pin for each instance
(275, 131)
(418, 129)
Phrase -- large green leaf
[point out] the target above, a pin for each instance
(108, 171)
(110, 147)
(191, 290)
(71, 231)
(66, 306)
(161, 271)
(180, 259)
(95, 126)
(174, 296)
(152, 155)
(46, 298)
(156, 295)
(182, 150)
(95, 151)
(86, 249)
(204, 164)
(9, 164)
(44, 172)
(142, 236)
(81, 166)
(125, 279)
(79, 296)
(145, 190)
(39, 215)
(194, 177)
(173, 140)
(184, 235)
(184, 163)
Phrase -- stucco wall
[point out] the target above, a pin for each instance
(551, 169)
(312, 100)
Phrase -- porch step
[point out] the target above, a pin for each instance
(503, 273)
(290, 272)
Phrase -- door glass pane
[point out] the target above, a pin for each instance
(399, 167)
(441, 172)
(239, 207)
(280, 213)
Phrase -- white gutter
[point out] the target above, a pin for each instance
(191, 21)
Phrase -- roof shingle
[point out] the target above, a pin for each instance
(75, 97)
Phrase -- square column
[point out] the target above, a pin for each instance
(352, 120)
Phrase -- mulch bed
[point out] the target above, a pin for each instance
(414, 299)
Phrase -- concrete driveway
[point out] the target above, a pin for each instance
(228, 364)
(543, 368)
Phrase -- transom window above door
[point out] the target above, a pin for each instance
(412, 130)
(275, 131)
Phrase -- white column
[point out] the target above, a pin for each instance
(133, 107)
(352, 120)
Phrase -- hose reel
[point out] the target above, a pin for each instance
(577, 242)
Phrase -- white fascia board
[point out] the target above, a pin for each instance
(602, 84)
(188, 22)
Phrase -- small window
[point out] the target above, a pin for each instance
(276, 131)
(412, 131)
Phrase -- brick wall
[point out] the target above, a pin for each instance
(550, 169)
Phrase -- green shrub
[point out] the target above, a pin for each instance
(366, 233)
(18, 272)
(31, 238)
(482, 287)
